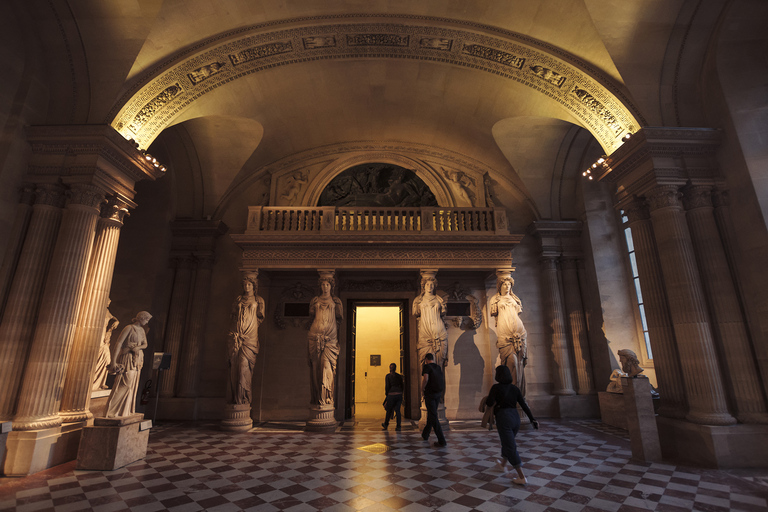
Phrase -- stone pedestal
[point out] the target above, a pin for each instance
(577, 406)
(736, 446)
(112, 443)
(321, 419)
(237, 418)
(5, 428)
(641, 419)
(612, 410)
(30, 451)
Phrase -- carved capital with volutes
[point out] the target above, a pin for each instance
(720, 198)
(86, 195)
(666, 196)
(49, 195)
(637, 210)
(114, 210)
(697, 197)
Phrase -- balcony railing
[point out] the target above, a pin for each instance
(316, 220)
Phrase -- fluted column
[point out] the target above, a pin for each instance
(561, 358)
(40, 396)
(688, 310)
(18, 324)
(15, 242)
(577, 323)
(89, 333)
(177, 317)
(666, 360)
(190, 354)
(728, 322)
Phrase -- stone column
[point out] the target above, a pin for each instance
(190, 356)
(561, 358)
(15, 242)
(89, 333)
(728, 324)
(40, 397)
(177, 316)
(688, 310)
(18, 323)
(666, 360)
(578, 326)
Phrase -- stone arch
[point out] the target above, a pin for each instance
(581, 91)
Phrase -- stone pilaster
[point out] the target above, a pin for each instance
(89, 333)
(190, 356)
(561, 359)
(40, 396)
(728, 324)
(688, 310)
(177, 315)
(666, 360)
(18, 322)
(577, 323)
(15, 242)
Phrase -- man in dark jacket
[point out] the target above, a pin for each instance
(432, 387)
(393, 387)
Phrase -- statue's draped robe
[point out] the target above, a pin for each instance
(511, 335)
(247, 314)
(128, 355)
(433, 338)
(323, 348)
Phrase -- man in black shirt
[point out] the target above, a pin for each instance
(393, 387)
(432, 387)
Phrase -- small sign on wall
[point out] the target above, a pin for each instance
(376, 360)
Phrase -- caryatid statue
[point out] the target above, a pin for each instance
(100, 370)
(243, 339)
(326, 313)
(511, 336)
(429, 309)
(126, 365)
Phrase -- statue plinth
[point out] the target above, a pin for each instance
(237, 418)
(112, 443)
(321, 418)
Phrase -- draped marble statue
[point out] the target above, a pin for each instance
(247, 315)
(326, 312)
(126, 365)
(429, 309)
(511, 334)
(100, 369)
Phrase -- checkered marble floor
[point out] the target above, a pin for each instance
(571, 466)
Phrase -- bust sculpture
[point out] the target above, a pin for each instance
(629, 363)
(243, 346)
(127, 362)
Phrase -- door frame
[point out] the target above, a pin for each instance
(352, 305)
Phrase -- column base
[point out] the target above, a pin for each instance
(31, 451)
(736, 446)
(112, 443)
(321, 419)
(577, 406)
(237, 418)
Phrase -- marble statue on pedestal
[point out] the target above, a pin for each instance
(247, 315)
(511, 336)
(615, 385)
(429, 309)
(629, 363)
(100, 369)
(326, 312)
(127, 362)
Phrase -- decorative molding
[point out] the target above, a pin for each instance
(593, 98)
(297, 293)
(205, 72)
(378, 285)
(457, 293)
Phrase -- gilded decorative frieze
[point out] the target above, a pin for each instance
(492, 54)
(205, 72)
(377, 40)
(598, 108)
(153, 106)
(260, 52)
(550, 76)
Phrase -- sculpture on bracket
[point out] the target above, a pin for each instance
(429, 308)
(326, 313)
(126, 365)
(100, 369)
(511, 335)
(629, 363)
(243, 339)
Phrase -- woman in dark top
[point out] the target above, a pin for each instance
(505, 396)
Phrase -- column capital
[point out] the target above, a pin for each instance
(720, 197)
(697, 196)
(636, 210)
(115, 210)
(85, 194)
(666, 196)
(50, 194)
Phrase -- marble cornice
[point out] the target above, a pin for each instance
(165, 90)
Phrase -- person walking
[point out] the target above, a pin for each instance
(393, 388)
(504, 397)
(432, 388)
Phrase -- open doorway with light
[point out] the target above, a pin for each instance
(378, 333)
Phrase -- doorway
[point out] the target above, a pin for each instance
(378, 334)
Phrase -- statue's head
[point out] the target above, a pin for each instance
(428, 285)
(504, 285)
(326, 282)
(250, 282)
(143, 317)
(629, 361)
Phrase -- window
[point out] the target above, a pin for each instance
(636, 279)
